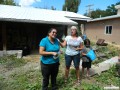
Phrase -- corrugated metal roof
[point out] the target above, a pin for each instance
(72, 15)
(104, 18)
(36, 15)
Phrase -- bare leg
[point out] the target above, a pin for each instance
(82, 71)
(66, 73)
(78, 73)
(88, 72)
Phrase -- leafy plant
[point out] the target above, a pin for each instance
(109, 77)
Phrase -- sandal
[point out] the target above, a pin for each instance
(78, 82)
(83, 77)
(88, 77)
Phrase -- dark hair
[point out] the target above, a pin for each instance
(49, 31)
(87, 42)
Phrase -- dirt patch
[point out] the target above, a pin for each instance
(32, 58)
(33, 62)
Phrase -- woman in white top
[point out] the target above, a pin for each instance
(74, 44)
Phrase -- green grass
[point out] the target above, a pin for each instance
(109, 77)
(32, 79)
(10, 61)
(86, 86)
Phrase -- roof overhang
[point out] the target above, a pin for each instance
(79, 19)
(38, 21)
(104, 18)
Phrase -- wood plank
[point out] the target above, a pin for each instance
(4, 37)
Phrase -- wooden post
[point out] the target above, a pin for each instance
(83, 29)
(4, 38)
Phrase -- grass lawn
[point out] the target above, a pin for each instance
(17, 74)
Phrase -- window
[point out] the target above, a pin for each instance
(108, 30)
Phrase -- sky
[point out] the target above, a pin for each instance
(58, 4)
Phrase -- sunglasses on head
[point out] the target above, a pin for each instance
(73, 29)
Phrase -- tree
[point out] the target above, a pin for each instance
(71, 5)
(1, 1)
(7, 2)
(98, 13)
(111, 10)
(52, 7)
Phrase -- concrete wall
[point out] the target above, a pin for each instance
(1, 45)
(118, 11)
(11, 52)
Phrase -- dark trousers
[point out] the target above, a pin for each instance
(49, 70)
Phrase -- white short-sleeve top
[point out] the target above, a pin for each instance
(72, 43)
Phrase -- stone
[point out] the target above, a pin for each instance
(103, 66)
(1, 53)
(101, 55)
(19, 54)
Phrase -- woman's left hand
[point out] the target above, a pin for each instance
(77, 48)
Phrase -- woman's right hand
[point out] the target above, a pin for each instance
(55, 54)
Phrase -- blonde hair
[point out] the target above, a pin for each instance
(74, 27)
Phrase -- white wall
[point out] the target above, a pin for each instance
(118, 7)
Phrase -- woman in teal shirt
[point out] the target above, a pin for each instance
(49, 47)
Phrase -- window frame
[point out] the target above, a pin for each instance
(107, 32)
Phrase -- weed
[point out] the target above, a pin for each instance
(109, 77)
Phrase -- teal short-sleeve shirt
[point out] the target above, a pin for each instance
(49, 47)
